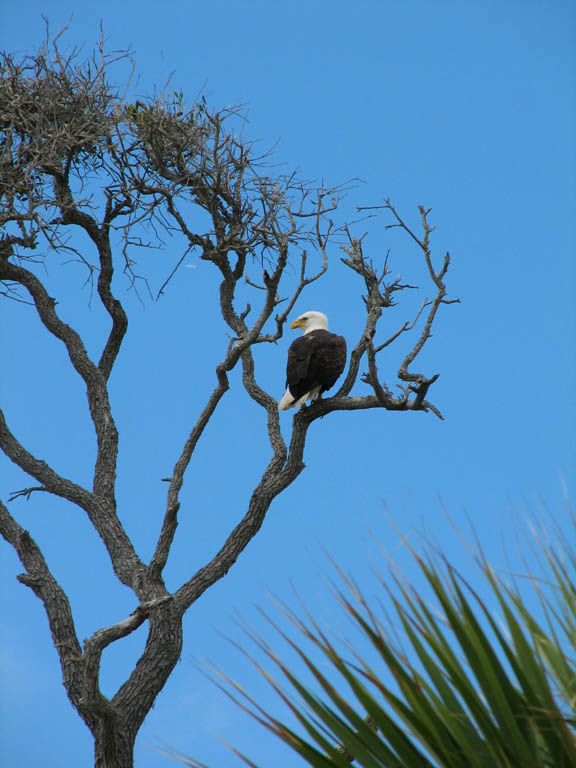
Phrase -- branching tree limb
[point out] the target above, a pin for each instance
(75, 157)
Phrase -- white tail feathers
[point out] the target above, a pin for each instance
(288, 401)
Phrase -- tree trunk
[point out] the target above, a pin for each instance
(113, 746)
(114, 723)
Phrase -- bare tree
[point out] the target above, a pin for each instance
(77, 156)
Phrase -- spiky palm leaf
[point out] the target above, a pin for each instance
(477, 688)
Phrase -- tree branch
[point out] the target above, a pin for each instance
(100, 236)
(170, 521)
(41, 471)
(162, 551)
(124, 559)
(113, 307)
(106, 432)
(56, 605)
(381, 295)
(272, 483)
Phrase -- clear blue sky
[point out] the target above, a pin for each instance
(466, 107)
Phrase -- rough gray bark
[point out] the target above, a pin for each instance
(61, 125)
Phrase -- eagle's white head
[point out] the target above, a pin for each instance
(311, 321)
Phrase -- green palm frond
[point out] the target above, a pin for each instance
(485, 676)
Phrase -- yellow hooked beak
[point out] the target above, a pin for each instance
(296, 324)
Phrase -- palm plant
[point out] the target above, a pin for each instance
(485, 677)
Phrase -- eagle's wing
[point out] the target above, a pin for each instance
(298, 361)
(330, 358)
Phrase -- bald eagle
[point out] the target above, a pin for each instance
(314, 361)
